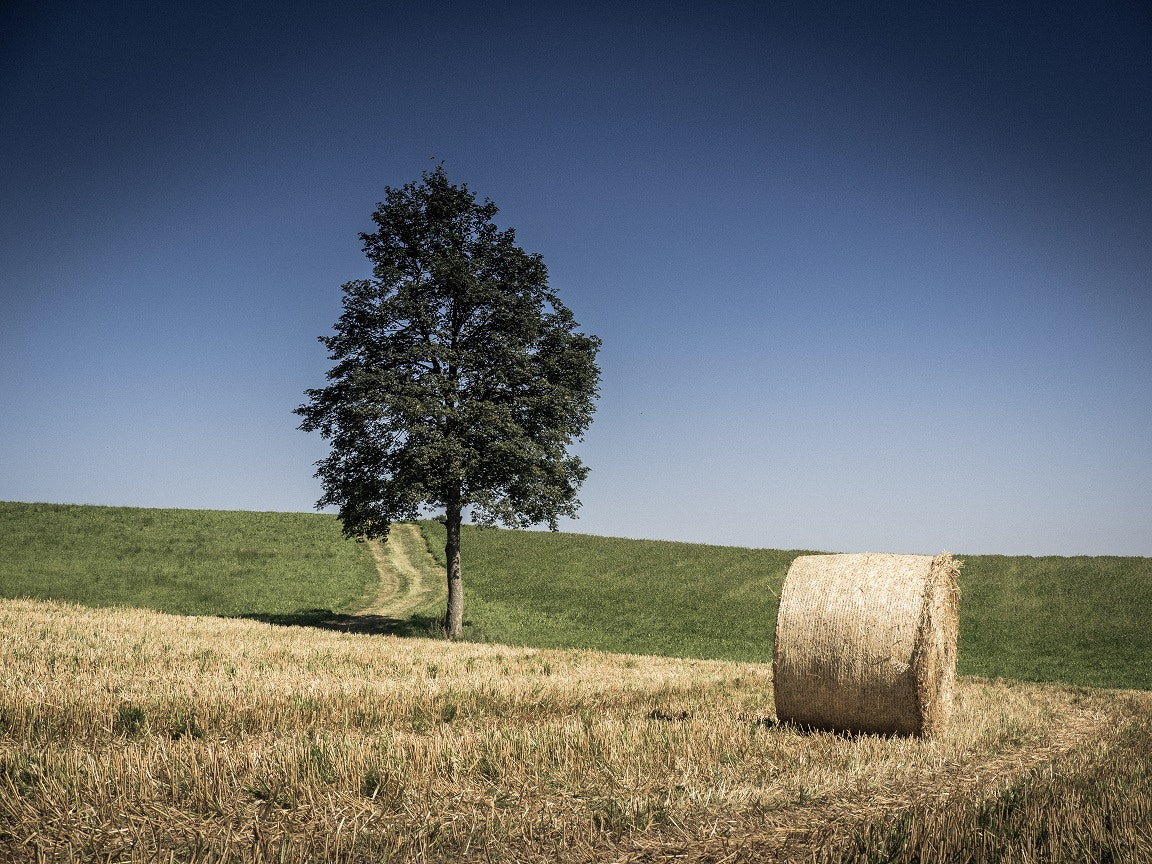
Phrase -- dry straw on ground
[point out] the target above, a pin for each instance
(867, 643)
(130, 736)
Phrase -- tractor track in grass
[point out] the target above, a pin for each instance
(410, 579)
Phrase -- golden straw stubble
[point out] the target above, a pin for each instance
(867, 643)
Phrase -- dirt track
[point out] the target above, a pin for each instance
(409, 577)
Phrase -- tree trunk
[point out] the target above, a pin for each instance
(454, 617)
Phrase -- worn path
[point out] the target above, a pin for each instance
(410, 578)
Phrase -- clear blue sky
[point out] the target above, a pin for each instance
(869, 277)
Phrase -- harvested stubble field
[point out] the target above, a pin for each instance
(131, 736)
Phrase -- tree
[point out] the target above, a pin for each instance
(460, 379)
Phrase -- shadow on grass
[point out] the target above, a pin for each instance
(418, 626)
(772, 723)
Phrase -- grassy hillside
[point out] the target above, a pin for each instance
(1081, 620)
(562, 590)
(1078, 620)
(190, 562)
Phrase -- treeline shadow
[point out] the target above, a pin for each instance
(418, 626)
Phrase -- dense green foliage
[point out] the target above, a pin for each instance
(460, 378)
(193, 562)
(1079, 620)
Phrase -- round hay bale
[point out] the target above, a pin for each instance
(867, 643)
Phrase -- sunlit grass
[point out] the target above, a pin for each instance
(193, 562)
(640, 596)
(131, 735)
(1079, 620)
(1092, 804)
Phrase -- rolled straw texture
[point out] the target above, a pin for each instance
(867, 643)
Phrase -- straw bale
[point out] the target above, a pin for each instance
(867, 643)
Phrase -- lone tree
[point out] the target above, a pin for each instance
(460, 379)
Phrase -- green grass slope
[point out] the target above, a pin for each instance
(1080, 620)
(560, 590)
(190, 562)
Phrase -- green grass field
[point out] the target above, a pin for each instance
(560, 590)
(186, 562)
(202, 739)
(1078, 620)
(1081, 620)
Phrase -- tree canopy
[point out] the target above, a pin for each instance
(460, 379)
